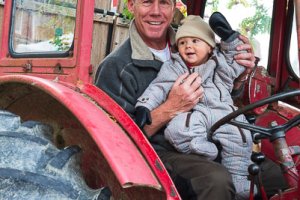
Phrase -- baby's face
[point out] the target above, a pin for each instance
(193, 50)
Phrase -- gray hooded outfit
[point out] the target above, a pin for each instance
(187, 132)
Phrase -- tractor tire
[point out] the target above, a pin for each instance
(31, 167)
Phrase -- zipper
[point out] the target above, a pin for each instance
(214, 76)
(188, 119)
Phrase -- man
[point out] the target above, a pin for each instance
(126, 73)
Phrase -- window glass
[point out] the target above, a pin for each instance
(293, 51)
(42, 26)
(251, 18)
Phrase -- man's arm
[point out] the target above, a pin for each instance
(184, 95)
(116, 84)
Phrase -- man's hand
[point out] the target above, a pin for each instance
(185, 93)
(245, 59)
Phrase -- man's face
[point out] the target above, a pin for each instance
(152, 18)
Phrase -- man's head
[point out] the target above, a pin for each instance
(195, 40)
(152, 19)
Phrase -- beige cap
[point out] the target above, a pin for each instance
(194, 26)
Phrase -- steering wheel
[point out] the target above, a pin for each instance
(262, 132)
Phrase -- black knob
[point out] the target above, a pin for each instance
(253, 169)
(251, 118)
(258, 157)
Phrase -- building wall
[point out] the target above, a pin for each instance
(109, 31)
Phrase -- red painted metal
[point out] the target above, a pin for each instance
(85, 36)
(111, 140)
(290, 194)
(284, 158)
(194, 7)
(7, 61)
(279, 112)
(257, 88)
(126, 149)
(292, 136)
(286, 74)
(277, 54)
(73, 68)
(279, 150)
(135, 134)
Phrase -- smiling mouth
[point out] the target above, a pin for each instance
(155, 23)
(189, 54)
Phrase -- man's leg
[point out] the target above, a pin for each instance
(197, 178)
(272, 177)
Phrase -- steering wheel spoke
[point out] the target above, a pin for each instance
(251, 127)
(291, 123)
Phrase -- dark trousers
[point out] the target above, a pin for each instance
(272, 177)
(197, 178)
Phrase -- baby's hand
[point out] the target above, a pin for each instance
(142, 116)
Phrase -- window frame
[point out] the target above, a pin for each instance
(46, 54)
(290, 28)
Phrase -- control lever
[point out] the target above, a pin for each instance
(254, 171)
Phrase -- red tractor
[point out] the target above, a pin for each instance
(61, 137)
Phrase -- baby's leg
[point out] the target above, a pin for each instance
(236, 156)
(242, 186)
(187, 133)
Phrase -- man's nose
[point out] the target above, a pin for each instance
(156, 7)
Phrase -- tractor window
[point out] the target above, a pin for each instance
(293, 50)
(42, 27)
(251, 18)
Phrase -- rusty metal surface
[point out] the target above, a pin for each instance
(292, 135)
(259, 87)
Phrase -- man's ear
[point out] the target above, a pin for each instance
(130, 5)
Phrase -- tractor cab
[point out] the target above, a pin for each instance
(49, 53)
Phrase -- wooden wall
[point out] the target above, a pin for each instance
(121, 28)
(109, 32)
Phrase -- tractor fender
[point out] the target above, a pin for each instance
(124, 148)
